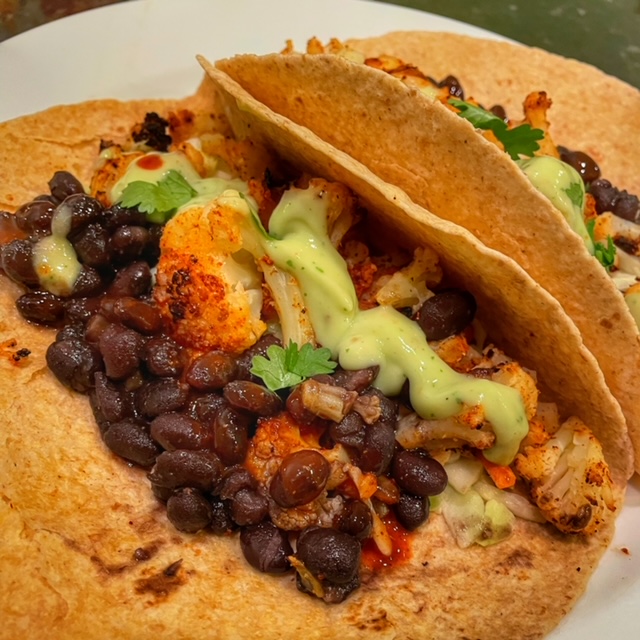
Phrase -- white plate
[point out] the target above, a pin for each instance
(146, 49)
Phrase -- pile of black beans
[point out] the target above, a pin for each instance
(188, 419)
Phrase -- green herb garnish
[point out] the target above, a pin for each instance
(606, 255)
(287, 367)
(519, 141)
(575, 193)
(159, 201)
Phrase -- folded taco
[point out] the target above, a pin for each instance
(554, 210)
(209, 319)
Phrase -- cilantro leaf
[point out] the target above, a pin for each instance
(287, 367)
(606, 255)
(159, 201)
(575, 193)
(519, 141)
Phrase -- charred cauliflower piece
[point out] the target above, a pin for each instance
(208, 288)
(569, 479)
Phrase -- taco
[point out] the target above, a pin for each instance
(405, 127)
(89, 547)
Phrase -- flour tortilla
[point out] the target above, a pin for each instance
(437, 158)
(88, 552)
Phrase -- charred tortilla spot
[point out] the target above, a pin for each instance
(519, 558)
(153, 132)
(159, 586)
(376, 622)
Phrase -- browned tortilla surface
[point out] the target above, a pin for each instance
(87, 552)
(591, 111)
(439, 160)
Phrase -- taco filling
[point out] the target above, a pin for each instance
(507, 182)
(243, 334)
(606, 217)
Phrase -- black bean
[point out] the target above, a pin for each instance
(92, 246)
(266, 548)
(118, 216)
(64, 184)
(74, 363)
(418, 473)
(35, 217)
(330, 554)
(212, 371)
(70, 331)
(120, 348)
(151, 251)
(233, 479)
(84, 210)
(230, 435)
(41, 307)
(355, 519)
(178, 431)
(128, 242)
(88, 284)
(188, 510)
(163, 356)
(137, 314)
(349, 431)
(80, 310)
(113, 403)
(162, 493)
(627, 206)
(221, 521)
(378, 449)
(446, 313)
(133, 280)
(604, 194)
(204, 408)
(131, 441)
(357, 380)
(254, 398)
(498, 110)
(455, 88)
(583, 163)
(412, 511)
(161, 396)
(96, 326)
(185, 468)
(248, 506)
(17, 262)
(301, 478)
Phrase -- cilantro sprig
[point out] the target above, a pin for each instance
(519, 141)
(287, 367)
(606, 255)
(160, 200)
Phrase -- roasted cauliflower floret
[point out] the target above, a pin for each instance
(409, 286)
(569, 479)
(208, 288)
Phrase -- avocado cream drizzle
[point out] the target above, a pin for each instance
(562, 185)
(143, 170)
(298, 243)
(54, 258)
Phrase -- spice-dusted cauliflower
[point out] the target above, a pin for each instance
(569, 479)
(208, 288)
